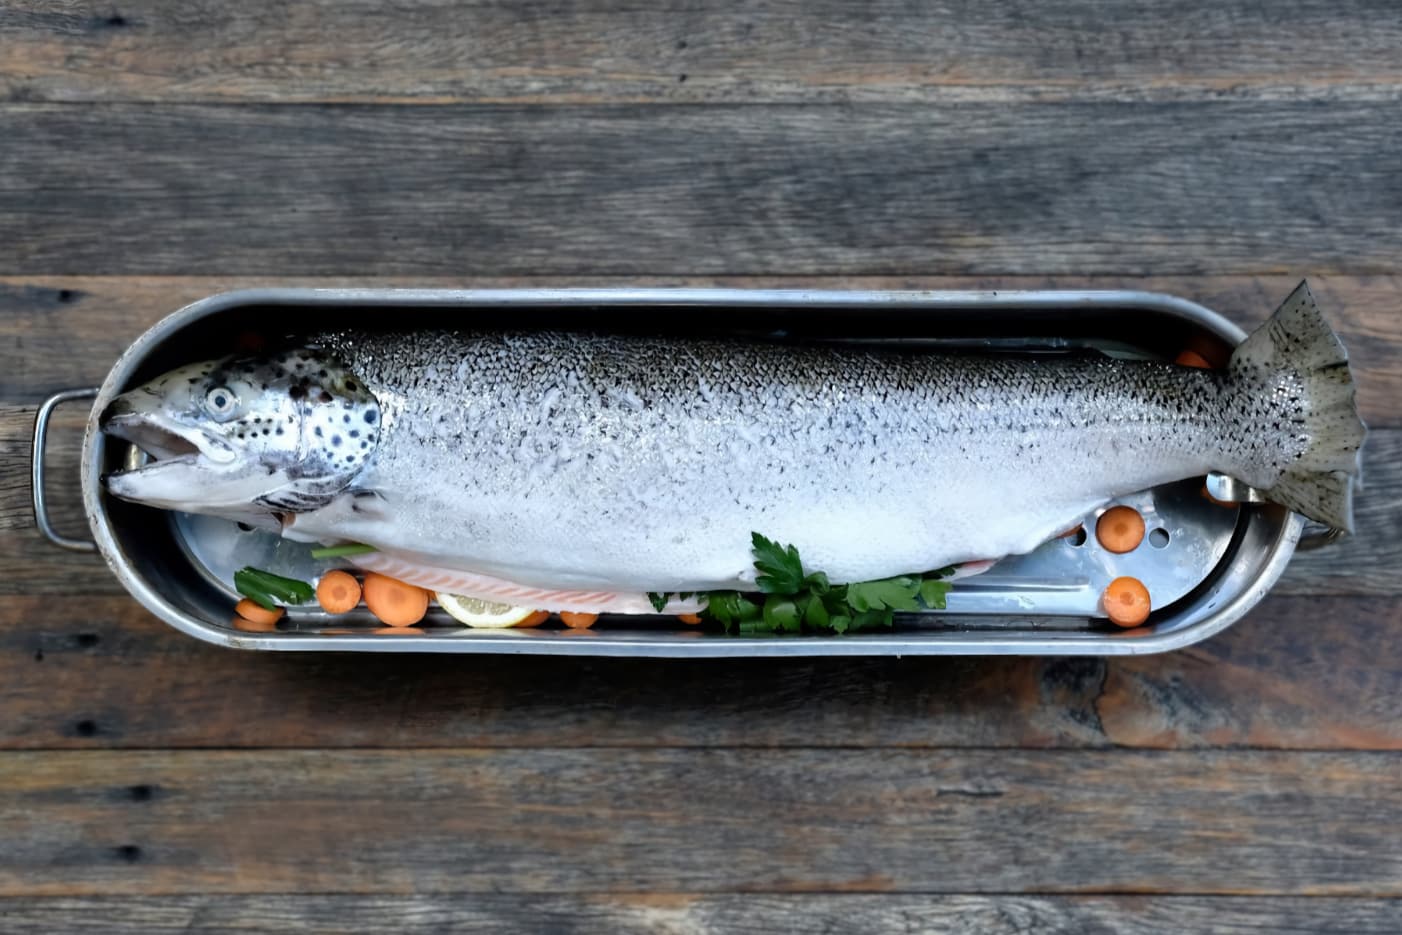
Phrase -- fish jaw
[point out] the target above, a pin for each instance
(261, 435)
(159, 435)
(191, 468)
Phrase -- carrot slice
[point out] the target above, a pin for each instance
(394, 602)
(577, 621)
(692, 619)
(254, 626)
(535, 619)
(257, 613)
(1126, 602)
(1193, 359)
(337, 592)
(1120, 529)
(1210, 350)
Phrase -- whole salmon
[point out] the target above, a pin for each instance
(581, 471)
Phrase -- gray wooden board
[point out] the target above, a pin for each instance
(543, 821)
(431, 52)
(640, 913)
(1214, 187)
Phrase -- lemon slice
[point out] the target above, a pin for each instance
(476, 612)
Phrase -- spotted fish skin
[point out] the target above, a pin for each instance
(643, 464)
(244, 437)
(584, 470)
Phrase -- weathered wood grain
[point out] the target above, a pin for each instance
(60, 332)
(1251, 142)
(670, 913)
(1162, 188)
(543, 821)
(587, 52)
(1299, 673)
(1369, 561)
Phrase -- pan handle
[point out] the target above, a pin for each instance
(1316, 536)
(41, 433)
(1224, 487)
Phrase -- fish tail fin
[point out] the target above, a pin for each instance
(1297, 340)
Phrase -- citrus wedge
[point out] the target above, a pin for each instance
(476, 612)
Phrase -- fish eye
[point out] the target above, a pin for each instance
(220, 402)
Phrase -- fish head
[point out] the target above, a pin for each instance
(248, 437)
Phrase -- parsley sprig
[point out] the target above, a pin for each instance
(791, 600)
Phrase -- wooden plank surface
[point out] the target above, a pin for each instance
(1299, 673)
(625, 914)
(1081, 188)
(593, 51)
(155, 151)
(546, 821)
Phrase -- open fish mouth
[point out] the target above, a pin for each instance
(163, 439)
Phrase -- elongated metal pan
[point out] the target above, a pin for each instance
(152, 554)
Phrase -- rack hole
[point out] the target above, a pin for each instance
(1159, 538)
(1077, 538)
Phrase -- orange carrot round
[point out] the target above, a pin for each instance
(1213, 353)
(337, 592)
(577, 621)
(534, 620)
(395, 603)
(1126, 602)
(1120, 529)
(1193, 359)
(253, 626)
(257, 613)
(692, 619)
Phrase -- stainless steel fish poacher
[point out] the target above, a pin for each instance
(1205, 564)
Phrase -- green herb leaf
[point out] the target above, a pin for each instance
(723, 607)
(657, 600)
(341, 551)
(792, 601)
(932, 592)
(780, 613)
(895, 593)
(780, 571)
(873, 620)
(271, 591)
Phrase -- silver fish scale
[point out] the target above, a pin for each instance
(636, 463)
